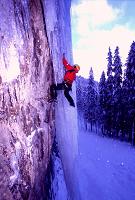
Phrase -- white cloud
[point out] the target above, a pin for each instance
(92, 44)
(92, 51)
(94, 13)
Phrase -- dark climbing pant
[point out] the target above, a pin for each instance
(62, 86)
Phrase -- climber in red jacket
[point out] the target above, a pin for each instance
(66, 85)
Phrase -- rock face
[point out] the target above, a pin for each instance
(26, 117)
(33, 36)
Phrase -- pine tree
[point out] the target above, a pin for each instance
(109, 66)
(109, 96)
(102, 90)
(91, 100)
(81, 91)
(124, 106)
(130, 82)
(102, 99)
(117, 70)
(117, 91)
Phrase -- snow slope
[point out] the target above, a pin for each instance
(106, 168)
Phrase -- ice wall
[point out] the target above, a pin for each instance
(59, 34)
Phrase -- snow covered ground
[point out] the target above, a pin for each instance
(106, 168)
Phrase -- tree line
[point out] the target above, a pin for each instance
(110, 103)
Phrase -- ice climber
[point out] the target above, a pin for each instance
(66, 85)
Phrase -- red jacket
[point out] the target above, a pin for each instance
(70, 74)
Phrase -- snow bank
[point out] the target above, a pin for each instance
(106, 168)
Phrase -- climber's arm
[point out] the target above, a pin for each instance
(66, 64)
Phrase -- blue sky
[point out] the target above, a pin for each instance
(98, 24)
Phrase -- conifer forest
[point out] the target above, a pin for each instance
(109, 106)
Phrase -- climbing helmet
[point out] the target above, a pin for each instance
(77, 67)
